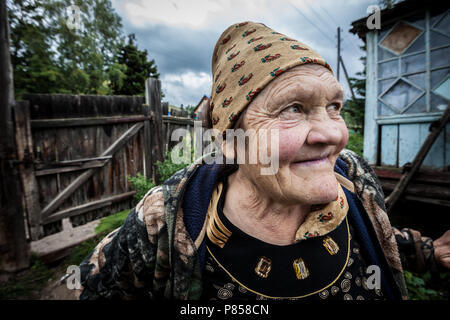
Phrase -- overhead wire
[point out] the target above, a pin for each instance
(320, 17)
(312, 23)
(344, 35)
(327, 13)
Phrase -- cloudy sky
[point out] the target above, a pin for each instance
(180, 34)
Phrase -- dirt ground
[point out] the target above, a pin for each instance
(43, 282)
(57, 290)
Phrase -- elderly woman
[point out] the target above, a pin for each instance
(315, 228)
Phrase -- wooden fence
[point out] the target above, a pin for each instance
(76, 151)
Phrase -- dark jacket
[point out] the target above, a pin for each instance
(159, 252)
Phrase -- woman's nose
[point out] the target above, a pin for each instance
(324, 131)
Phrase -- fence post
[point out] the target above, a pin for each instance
(153, 100)
(25, 156)
(148, 163)
(14, 249)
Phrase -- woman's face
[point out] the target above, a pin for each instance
(304, 104)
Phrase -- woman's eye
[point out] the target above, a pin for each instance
(333, 107)
(294, 109)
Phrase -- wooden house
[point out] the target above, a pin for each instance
(200, 109)
(407, 90)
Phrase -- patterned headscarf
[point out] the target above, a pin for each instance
(246, 58)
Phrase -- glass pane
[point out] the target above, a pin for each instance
(418, 107)
(418, 45)
(401, 37)
(417, 19)
(388, 69)
(384, 84)
(401, 94)
(444, 24)
(437, 76)
(384, 110)
(384, 54)
(413, 63)
(438, 40)
(443, 89)
(436, 16)
(384, 31)
(440, 57)
(418, 79)
(438, 103)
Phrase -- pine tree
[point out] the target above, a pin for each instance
(35, 70)
(49, 57)
(137, 70)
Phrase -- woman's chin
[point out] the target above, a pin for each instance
(320, 190)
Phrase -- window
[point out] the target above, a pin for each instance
(405, 85)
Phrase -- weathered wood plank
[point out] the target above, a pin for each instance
(147, 147)
(81, 122)
(389, 145)
(15, 251)
(407, 177)
(93, 205)
(427, 176)
(153, 100)
(93, 164)
(83, 177)
(409, 142)
(438, 202)
(435, 157)
(69, 163)
(25, 155)
(54, 106)
(419, 189)
(178, 120)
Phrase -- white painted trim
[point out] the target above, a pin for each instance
(371, 108)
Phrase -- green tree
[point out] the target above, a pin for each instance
(50, 57)
(353, 111)
(136, 69)
(32, 58)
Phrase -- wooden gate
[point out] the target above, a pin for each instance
(75, 153)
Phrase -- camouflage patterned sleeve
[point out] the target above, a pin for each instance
(123, 265)
(416, 251)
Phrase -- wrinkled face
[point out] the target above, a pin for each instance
(304, 104)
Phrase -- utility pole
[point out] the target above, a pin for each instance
(339, 61)
(338, 51)
(346, 76)
(14, 248)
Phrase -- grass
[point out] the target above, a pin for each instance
(26, 284)
(424, 287)
(105, 226)
(112, 222)
(29, 283)
(356, 142)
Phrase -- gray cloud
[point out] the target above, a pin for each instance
(177, 50)
(187, 51)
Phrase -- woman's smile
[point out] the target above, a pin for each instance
(320, 162)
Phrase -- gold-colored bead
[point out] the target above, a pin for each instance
(331, 246)
(263, 267)
(301, 271)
